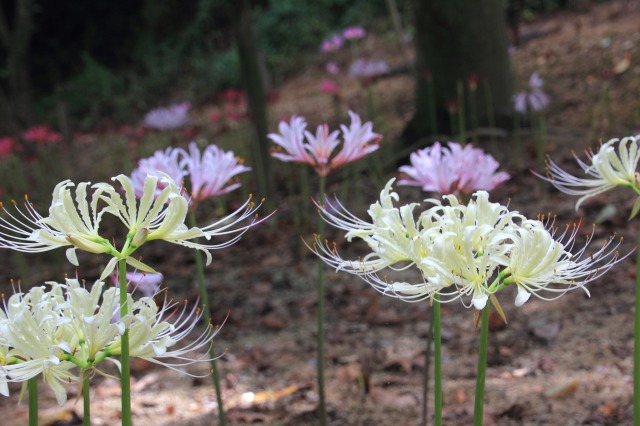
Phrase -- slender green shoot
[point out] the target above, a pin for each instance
(481, 372)
(125, 371)
(86, 398)
(206, 314)
(32, 385)
(322, 408)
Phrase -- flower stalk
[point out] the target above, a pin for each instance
(32, 386)
(322, 409)
(125, 368)
(437, 362)
(206, 315)
(481, 371)
(86, 398)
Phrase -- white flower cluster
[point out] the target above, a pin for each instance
(75, 221)
(464, 251)
(54, 329)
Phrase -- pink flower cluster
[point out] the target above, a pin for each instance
(169, 118)
(452, 170)
(336, 41)
(210, 172)
(353, 33)
(332, 43)
(41, 135)
(318, 150)
(8, 146)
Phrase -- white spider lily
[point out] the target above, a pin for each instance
(69, 224)
(539, 261)
(467, 252)
(615, 164)
(162, 217)
(154, 338)
(35, 333)
(92, 317)
(389, 234)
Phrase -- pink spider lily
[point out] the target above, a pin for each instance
(318, 150)
(452, 170)
(211, 172)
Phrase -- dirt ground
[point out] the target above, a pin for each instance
(566, 362)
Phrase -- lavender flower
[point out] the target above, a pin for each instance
(169, 118)
(364, 69)
(533, 99)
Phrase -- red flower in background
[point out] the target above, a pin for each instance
(8, 146)
(41, 135)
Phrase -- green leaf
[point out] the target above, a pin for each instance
(635, 209)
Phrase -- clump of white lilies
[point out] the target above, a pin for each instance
(58, 328)
(48, 333)
(468, 252)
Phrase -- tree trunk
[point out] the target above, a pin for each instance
(16, 99)
(251, 75)
(456, 39)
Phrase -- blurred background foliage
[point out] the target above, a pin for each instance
(115, 58)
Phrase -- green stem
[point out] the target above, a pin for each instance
(491, 115)
(322, 410)
(86, 416)
(425, 372)
(516, 131)
(473, 107)
(540, 136)
(32, 385)
(370, 107)
(636, 348)
(461, 113)
(433, 121)
(437, 361)
(478, 409)
(125, 372)
(206, 313)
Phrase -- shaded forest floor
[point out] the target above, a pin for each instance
(567, 362)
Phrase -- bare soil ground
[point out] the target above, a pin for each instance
(566, 362)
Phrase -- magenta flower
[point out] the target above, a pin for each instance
(332, 43)
(329, 87)
(318, 151)
(452, 170)
(352, 33)
(533, 99)
(211, 172)
(161, 163)
(8, 146)
(169, 118)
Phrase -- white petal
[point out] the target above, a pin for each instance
(522, 296)
(72, 257)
